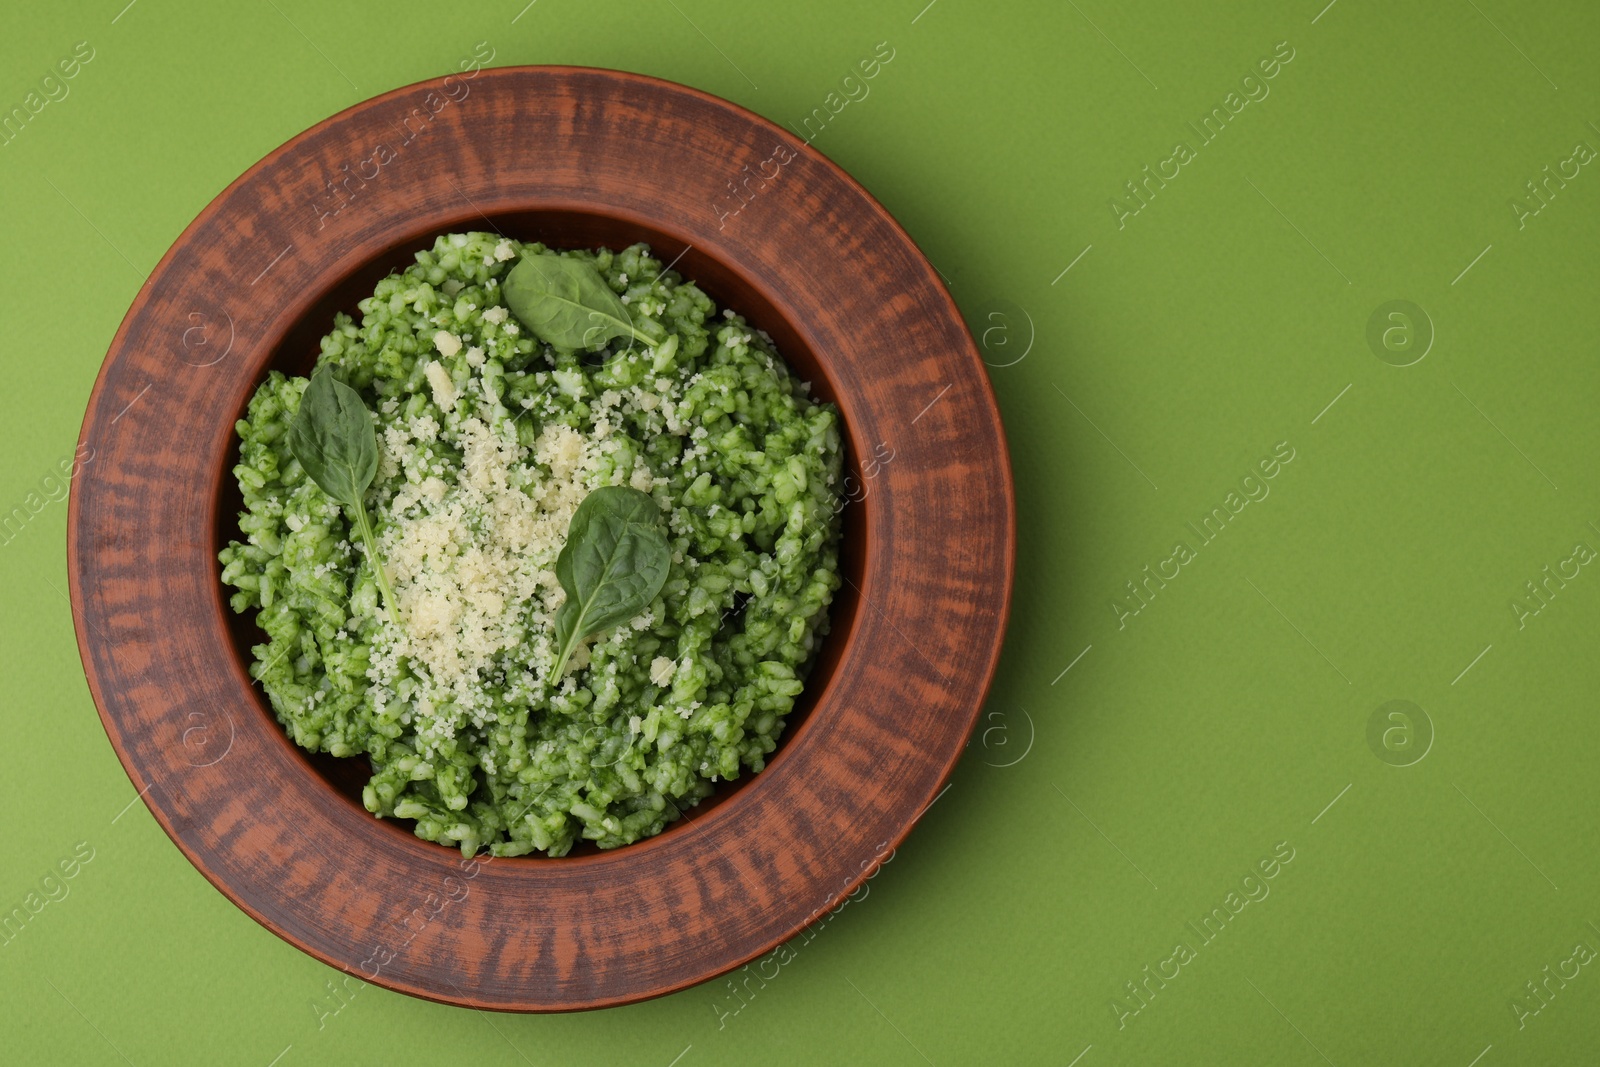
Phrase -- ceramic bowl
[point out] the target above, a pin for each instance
(572, 157)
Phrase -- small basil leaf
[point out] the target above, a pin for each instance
(333, 438)
(566, 303)
(613, 565)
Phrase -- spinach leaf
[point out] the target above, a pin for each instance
(333, 438)
(614, 563)
(566, 303)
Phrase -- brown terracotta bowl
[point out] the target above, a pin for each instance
(572, 157)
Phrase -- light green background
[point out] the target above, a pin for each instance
(1147, 781)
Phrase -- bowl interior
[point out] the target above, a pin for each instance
(296, 353)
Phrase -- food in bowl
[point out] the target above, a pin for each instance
(545, 537)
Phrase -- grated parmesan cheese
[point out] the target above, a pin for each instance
(447, 343)
(444, 390)
(474, 563)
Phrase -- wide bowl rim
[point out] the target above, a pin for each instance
(983, 394)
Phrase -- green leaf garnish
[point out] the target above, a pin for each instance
(566, 303)
(614, 563)
(333, 438)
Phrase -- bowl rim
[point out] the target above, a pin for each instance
(998, 462)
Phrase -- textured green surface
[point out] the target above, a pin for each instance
(1178, 751)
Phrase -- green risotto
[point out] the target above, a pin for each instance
(488, 439)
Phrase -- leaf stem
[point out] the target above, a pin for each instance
(561, 660)
(364, 525)
(567, 648)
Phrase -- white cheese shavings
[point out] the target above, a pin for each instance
(661, 670)
(474, 566)
(447, 343)
(444, 390)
